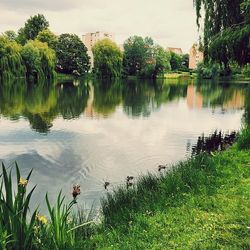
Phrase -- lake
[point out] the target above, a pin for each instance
(88, 132)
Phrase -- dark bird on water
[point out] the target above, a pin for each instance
(130, 178)
(106, 184)
(161, 167)
(129, 182)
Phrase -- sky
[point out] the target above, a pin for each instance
(171, 23)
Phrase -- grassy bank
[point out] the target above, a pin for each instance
(203, 203)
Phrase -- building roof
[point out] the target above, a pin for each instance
(175, 50)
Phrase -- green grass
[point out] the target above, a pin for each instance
(203, 203)
(176, 75)
(200, 203)
(244, 139)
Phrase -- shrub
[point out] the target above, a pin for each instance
(20, 229)
(246, 70)
(208, 71)
(243, 141)
(16, 230)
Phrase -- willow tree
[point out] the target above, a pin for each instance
(11, 64)
(226, 30)
(107, 59)
(46, 36)
(39, 60)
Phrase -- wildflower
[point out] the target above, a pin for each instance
(23, 182)
(76, 191)
(42, 219)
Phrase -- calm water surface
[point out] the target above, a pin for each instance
(92, 132)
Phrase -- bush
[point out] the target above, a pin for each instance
(243, 141)
(246, 70)
(208, 71)
(22, 229)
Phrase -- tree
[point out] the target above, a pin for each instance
(107, 59)
(137, 51)
(175, 61)
(39, 60)
(72, 55)
(226, 30)
(46, 36)
(34, 25)
(185, 61)
(10, 34)
(11, 64)
(145, 59)
(162, 58)
(21, 37)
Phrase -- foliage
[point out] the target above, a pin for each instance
(226, 30)
(107, 59)
(208, 71)
(162, 58)
(21, 37)
(60, 226)
(243, 141)
(10, 34)
(143, 58)
(72, 55)
(11, 64)
(137, 51)
(34, 25)
(14, 208)
(246, 70)
(20, 229)
(46, 36)
(39, 60)
(185, 61)
(202, 203)
(175, 61)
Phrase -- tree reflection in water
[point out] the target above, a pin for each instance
(42, 103)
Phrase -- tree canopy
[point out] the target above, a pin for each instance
(11, 64)
(39, 60)
(107, 59)
(175, 61)
(226, 30)
(72, 55)
(142, 57)
(34, 25)
(46, 36)
(10, 34)
(137, 51)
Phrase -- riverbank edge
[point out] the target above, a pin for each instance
(200, 203)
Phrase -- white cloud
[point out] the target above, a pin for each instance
(169, 23)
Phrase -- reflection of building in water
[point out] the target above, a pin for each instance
(89, 110)
(90, 39)
(236, 102)
(195, 56)
(194, 99)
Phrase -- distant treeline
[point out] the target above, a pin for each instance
(37, 53)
